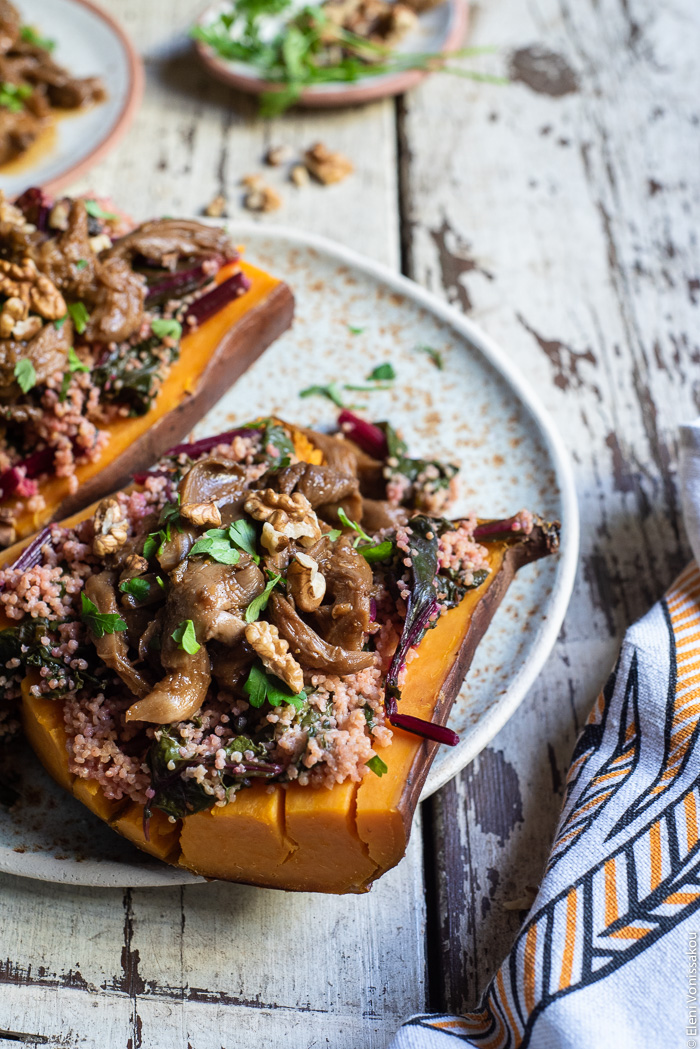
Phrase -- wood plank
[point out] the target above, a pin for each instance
(557, 211)
(220, 964)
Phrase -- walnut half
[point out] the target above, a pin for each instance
(307, 584)
(111, 527)
(273, 650)
(204, 515)
(285, 517)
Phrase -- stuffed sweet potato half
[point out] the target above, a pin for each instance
(245, 661)
(114, 341)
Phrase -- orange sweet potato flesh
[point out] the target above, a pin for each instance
(301, 838)
(211, 359)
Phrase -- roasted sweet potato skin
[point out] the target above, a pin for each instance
(301, 838)
(211, 359)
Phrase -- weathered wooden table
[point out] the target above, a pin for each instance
(557, 211)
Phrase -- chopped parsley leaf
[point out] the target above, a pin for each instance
(79, 316)
(138, 588)
(377, 766)
(30, 36)
(382, 373)
(167, 329)
(345, 520)
(435, 356)
(100, 623)
(186, 638)
(332, 392)
(94, 209)
(25, 374)
(260, 686)
(259, 603)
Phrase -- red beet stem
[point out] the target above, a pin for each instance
(368, 436)
(206, 444)
(31, 555)
(181, 282)
(207, 305)
(497, 529)
(426, 729)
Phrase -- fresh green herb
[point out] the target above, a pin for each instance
(368, 389)
(276, 437)
(216, 544)
(170, 516)
(355, 331)
(138, 588)
(261, 686)
(186, 637)
(60, 321)
(378, 767)
(377, 552)
(382, 373)
(81, 264)
(79, 316)
(74, 365)
(167, 329)
(25, 374)
(332, 392)
(155, 544)
(137, 386)
(335, 533)
(100, 623)
(30, 36)
(13, 96)
(309, 49)
(345, 520)
(259, 603)
(242, 534)
(435, 356)
(94, 209)
(161, 582)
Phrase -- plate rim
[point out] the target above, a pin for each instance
(47, 867)
(128, 111)
(363, 90)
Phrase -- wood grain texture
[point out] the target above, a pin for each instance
(558, 213)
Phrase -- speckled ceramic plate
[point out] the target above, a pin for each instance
(88, 43)
(439, 30)
(477, 411)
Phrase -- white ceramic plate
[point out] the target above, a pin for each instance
(439, 30)
(478, 411)
(88, 43)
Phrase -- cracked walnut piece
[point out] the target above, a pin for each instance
(204, 515)
(264, 639)
(260, 196)
(327, 166)
(22, 280)
(111, 527)
(306, 583)
(285, 517)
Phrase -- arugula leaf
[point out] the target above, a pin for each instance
(332, 392)
(79, 316)
(216, 544)
(94, 209)
(100, 623)
(383, 373)
(30, 36)
(242, 534)
(345, 520)
(435, 356)
(260, 686)
(138, 588)
(25, 374)
(167, 329)
(378, 767)
(259, 603)
(186, 637)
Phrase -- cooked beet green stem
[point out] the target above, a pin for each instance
(366, 435)
(426, 729)
(493, 530)
(206, 306)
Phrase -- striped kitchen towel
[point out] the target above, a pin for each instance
(608, 953)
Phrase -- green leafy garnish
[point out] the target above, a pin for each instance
(242, 534)
(94, 209)
(155, 544)
(378, 767)
(138, 588)
(74, 365)
(335, 533)
(30, 36)
(167, 329)
(170, 515)
(332, 392)
(345, 520)
(261, 686)
(25, 374)
(100, 623)
(382, 373)
(79, 316)
(435, 356)
(216, 544)
(60, 321)
(259, 603)
(12, 96)
(186, 638)
(355, 331)
(377, 552)
(81, 264)
(276, 437)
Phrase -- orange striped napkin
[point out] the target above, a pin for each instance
(608, 954)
